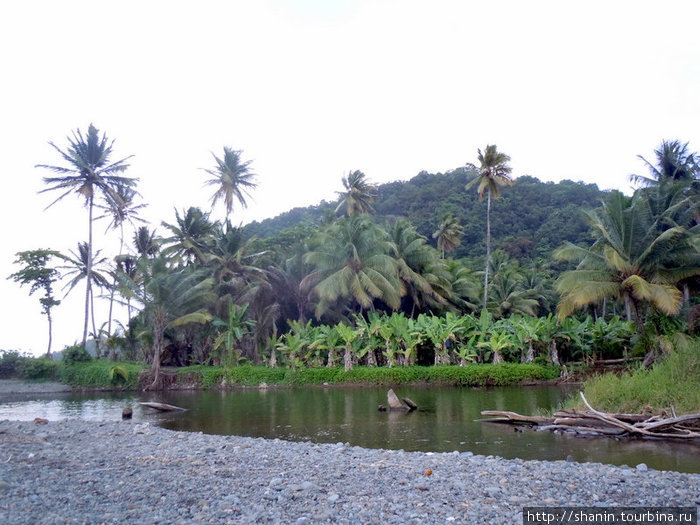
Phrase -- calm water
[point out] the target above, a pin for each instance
(445, 421)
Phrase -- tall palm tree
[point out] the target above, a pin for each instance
(494, 172)
(88, 172)
(233, 179)
(448, 235)
(82, 263)
(120, 208)
(353, 262)
(633, 259)
(358, 196)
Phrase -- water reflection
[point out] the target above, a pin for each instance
(445, 421)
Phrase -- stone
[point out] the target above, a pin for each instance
(127, 412)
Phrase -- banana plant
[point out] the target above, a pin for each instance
(528, 330)
(496, 343)
(327, 340)
(234, 328)
(347, 335)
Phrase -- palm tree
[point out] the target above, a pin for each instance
(171, 298)
(674, 163)
(417, 264)
(508, 296)
(146, 243)
(494, 172)
(89, 171)
(358, 196)
(448, 235)
(192, 236)
(353, 262)
(633, 259)
(233, 179)
(120, 208)
(80, 265)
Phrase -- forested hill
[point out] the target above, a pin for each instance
(530, 218)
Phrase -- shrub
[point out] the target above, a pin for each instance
(10, 363)
(38, 368)
(76, 354)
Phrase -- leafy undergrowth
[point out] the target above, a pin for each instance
(671, 383)
(101, 374)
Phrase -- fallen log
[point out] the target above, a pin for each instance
(395, 403)
(595, 422)
(163, 407)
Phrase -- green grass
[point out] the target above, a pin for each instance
(673, 382)
(100, 374)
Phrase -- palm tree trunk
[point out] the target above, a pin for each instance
(554, 353)
(95, 336)
(488, 245)
(158, 329)
(88, 272)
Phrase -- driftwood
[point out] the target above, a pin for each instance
(594, 422)
(395, 403)
(163, 407)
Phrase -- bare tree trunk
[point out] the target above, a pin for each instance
(497, 357)
(159, 329)
(371, 358)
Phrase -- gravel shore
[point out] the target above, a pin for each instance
(122, 472)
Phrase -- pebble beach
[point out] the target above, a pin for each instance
(82, 472)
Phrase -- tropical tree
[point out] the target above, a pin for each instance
(192, 236)
(79, 266)
(121, 207)
(498, 341)
(448, 235)
(173, 298)
(37, 272)
(146, 242)
(233, 329)
(633, 260)
(89, 172)
(417, 265)
(358, 196)
(494, 172)
(508, 296)
(673, 163)
(233, 179)
(347, 335)
(352, 262)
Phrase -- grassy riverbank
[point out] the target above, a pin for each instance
(673, 384)
(103, 374)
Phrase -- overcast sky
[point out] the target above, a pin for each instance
(312, 89)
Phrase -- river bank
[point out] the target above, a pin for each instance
(122, 472)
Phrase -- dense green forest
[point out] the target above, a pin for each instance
(468, 266)
(530, 220)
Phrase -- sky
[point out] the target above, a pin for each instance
(312, 89)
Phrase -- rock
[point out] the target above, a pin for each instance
(333, 498)
(127, 413)
(40, 421)
(642, 467)
(262, 386)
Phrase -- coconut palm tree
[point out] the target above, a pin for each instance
(171, 298)
(494, 172)
(146, 242)
(632, 260)
(120, 208)
(89, 172)
(673, 163)
(192, 236)
(417, 264)
(80, 265)
(233, 179)
(352, 262)
(448, 235)
(358, 196)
